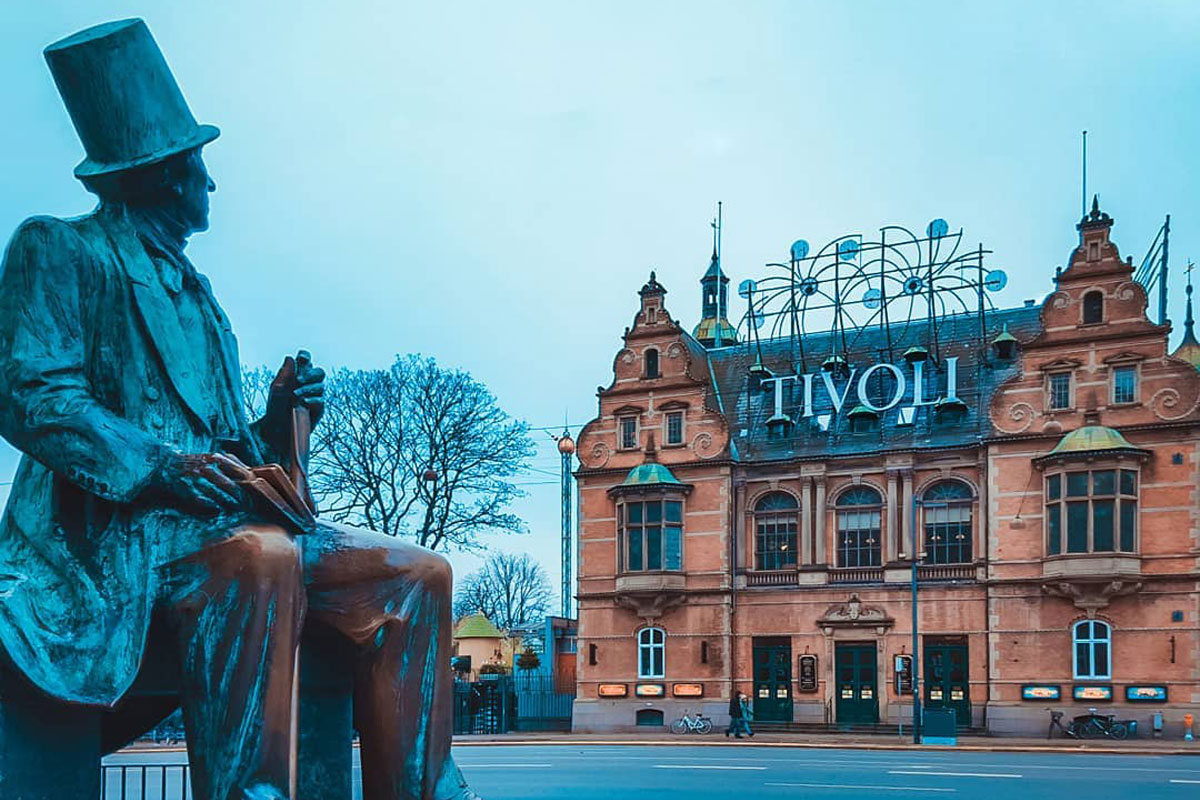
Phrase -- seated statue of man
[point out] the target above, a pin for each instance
(120, 384)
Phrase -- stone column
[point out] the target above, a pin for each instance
(806, 522)
(892, 529)
(906, 516)
(820, 521)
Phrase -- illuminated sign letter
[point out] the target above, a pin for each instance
(952, 378)
(919, 385)
(777, 391)
(897, 395)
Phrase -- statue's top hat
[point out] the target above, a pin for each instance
(122, 98)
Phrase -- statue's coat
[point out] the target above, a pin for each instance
(95, 382)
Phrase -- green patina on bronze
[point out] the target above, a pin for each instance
(152, 531)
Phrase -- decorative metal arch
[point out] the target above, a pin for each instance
(852, 284)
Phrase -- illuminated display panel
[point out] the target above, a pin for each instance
(612, 690)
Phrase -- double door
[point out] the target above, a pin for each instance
(772, 679)
(857, 684)
(947, 679)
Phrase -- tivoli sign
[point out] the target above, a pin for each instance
(893, 378)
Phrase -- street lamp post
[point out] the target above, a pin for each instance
(917, 557)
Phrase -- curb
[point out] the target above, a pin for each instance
(997, 748)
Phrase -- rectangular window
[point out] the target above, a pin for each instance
(1124, 384)
(675, 427)
(1054, 526)
(1100, 514)
(629, 433)
(1077, 527)
(650, 544)
(948, 534)
(1060, 390)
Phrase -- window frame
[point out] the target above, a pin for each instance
(621, 442)
(667, 417)
(648, 644)
(646, 528)
(651, 356)
(1070, 400)
(1084, 307)
(1090, 641)
(843, 511)
(789, 517)
(948, 508)
(1135, 394)
(1058, 511)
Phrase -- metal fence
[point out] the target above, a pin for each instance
(502, 703)
(145, 782)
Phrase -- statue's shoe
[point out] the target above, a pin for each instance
(452, 785)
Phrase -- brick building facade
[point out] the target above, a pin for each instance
(746, 522)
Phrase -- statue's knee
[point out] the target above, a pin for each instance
(263, 551)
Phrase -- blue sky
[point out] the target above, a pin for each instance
(490, 183)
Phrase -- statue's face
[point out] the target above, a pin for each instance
(192, 189)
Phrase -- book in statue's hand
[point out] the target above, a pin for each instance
(268, 488)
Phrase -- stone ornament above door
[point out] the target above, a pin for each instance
(854, 614)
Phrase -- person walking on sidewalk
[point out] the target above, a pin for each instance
(739, 713)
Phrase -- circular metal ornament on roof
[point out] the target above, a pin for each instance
(809, 286)
(937, 229)
(995, 280)
(746, 288)
(872, 298)
(799, 249)
(847, 249)
(913, 284)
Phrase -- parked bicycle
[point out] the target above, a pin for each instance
(1092, 725)
(688, 724)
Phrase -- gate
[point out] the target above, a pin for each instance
(857, 689)
(502, 703)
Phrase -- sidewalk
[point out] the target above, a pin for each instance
(844, 741)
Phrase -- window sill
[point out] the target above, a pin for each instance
(638, 582)
(1080, 565)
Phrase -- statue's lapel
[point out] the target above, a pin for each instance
(161, 320)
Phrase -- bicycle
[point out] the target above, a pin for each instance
(1092, 725)
(699, 724)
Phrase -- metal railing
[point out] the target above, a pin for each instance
(145, 782)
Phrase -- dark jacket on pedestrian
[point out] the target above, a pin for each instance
(735, 707)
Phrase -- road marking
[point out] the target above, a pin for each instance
(705, 766)
(863, 786)
(956, 774)
(1182, 780)
(504, 766)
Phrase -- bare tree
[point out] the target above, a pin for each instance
(415, 450)
(511, 590)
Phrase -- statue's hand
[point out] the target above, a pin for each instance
(200, 483)
(298, 382)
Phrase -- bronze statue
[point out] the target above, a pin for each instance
(143, 511)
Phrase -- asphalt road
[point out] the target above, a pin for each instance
(743, 771)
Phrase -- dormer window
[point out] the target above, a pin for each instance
(651, 359)
(1093, 307)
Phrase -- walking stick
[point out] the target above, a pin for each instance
(298, 473)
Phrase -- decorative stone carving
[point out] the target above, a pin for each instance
(1020, 413)
(853, 614)
(651, 606)
(675, 350)
(600, 454)
(704, 446)
(1169, 398)
(627, 356)
(1091, 596)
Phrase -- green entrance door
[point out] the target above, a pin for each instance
(947, 677)
(857, 689)
(773, 680)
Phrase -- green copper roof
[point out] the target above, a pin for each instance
(1091, 438)
(706, 332)
(477, 626)
(650, 474)
(916, 353)
(1004, 336)
(863, 411)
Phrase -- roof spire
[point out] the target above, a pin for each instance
(1189, 348)
(714, 329)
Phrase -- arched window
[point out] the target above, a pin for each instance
(946, 509)
(651, 357)
(775, 524)
(652, 645)
(1093, 307)
(859, 521)
(1092, 658)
